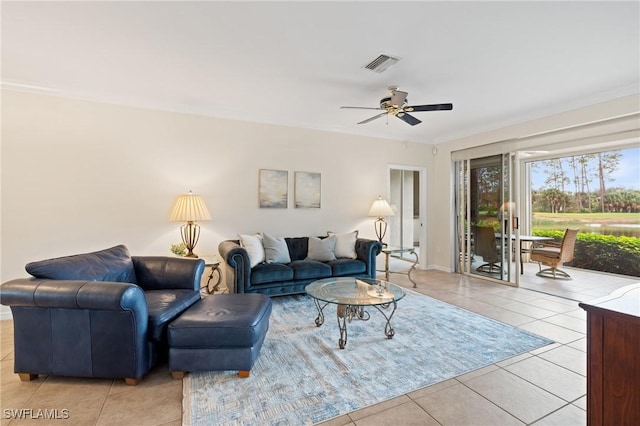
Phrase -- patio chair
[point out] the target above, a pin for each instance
(486, 246)
(554, 255)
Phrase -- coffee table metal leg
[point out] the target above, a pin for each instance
(320, 318)
(388, 330)
(342, 314)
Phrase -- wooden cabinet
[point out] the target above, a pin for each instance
(613, 358)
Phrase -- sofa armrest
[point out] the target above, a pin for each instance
(367, 251)
(236, 265)
(166, 272)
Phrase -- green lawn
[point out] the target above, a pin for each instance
(587, 218)
(620, 224)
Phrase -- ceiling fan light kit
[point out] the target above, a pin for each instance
(396, 105)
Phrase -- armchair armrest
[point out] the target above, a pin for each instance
(165, 272)
(74, 294)
(556, 244)
(236, 265)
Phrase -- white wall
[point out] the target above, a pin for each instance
(79, 176)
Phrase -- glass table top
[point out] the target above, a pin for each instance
(397, 249)
(355, 291)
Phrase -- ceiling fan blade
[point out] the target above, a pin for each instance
(352, 107)
(398, 98)
(373, 118)
(434, 107)
(408, 118)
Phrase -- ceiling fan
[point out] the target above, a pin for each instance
(396, 104)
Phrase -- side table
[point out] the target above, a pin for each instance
(212, 262)
(389, 250)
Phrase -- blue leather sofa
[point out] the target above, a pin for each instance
(101, 314)
(292, 278)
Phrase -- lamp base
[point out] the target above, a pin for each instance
(380, 226)
(190, 234)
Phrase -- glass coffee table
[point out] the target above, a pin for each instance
(352, 296)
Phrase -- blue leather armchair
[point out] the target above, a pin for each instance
(102, 314)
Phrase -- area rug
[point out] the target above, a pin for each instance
(302, 377)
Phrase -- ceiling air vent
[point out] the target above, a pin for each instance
(381, 63)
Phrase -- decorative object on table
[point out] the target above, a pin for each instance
(323, 379)
(381, 209)
(273, 189)
(179, 249)
(190, 208)
(307, 190)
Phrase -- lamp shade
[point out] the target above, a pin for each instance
(189, 208)
(381, 208)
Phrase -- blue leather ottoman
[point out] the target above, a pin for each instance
(219, 333)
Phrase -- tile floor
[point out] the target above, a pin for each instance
(544, 387)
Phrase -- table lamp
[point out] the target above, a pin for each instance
(380, 209)
(190, 208)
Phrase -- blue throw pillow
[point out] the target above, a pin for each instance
(113, 264)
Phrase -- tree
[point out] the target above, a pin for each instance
(556, 199)
(607, 164)
(556, 177)
(574, 164)
(585, 180)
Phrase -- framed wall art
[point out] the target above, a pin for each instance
(273, 189)
(307, 190)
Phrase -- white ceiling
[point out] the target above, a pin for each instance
(296, 63)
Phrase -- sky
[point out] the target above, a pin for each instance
(627, 175)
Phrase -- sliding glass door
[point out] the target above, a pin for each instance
(486, 217)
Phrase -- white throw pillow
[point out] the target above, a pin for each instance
(253, 245)
(322, 250)
(345, 244)
(275, 249)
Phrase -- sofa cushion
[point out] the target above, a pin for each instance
(298, 247)
(112, 264)
(322, 250)
(164, 306)
(345, 244)
(270, 273)
(253, 245)
(341, 267)
(275, 249)
(305, 269)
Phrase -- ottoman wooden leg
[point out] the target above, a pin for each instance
(177, 374)
(27, 377)
(243, 374)
(131, 382)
